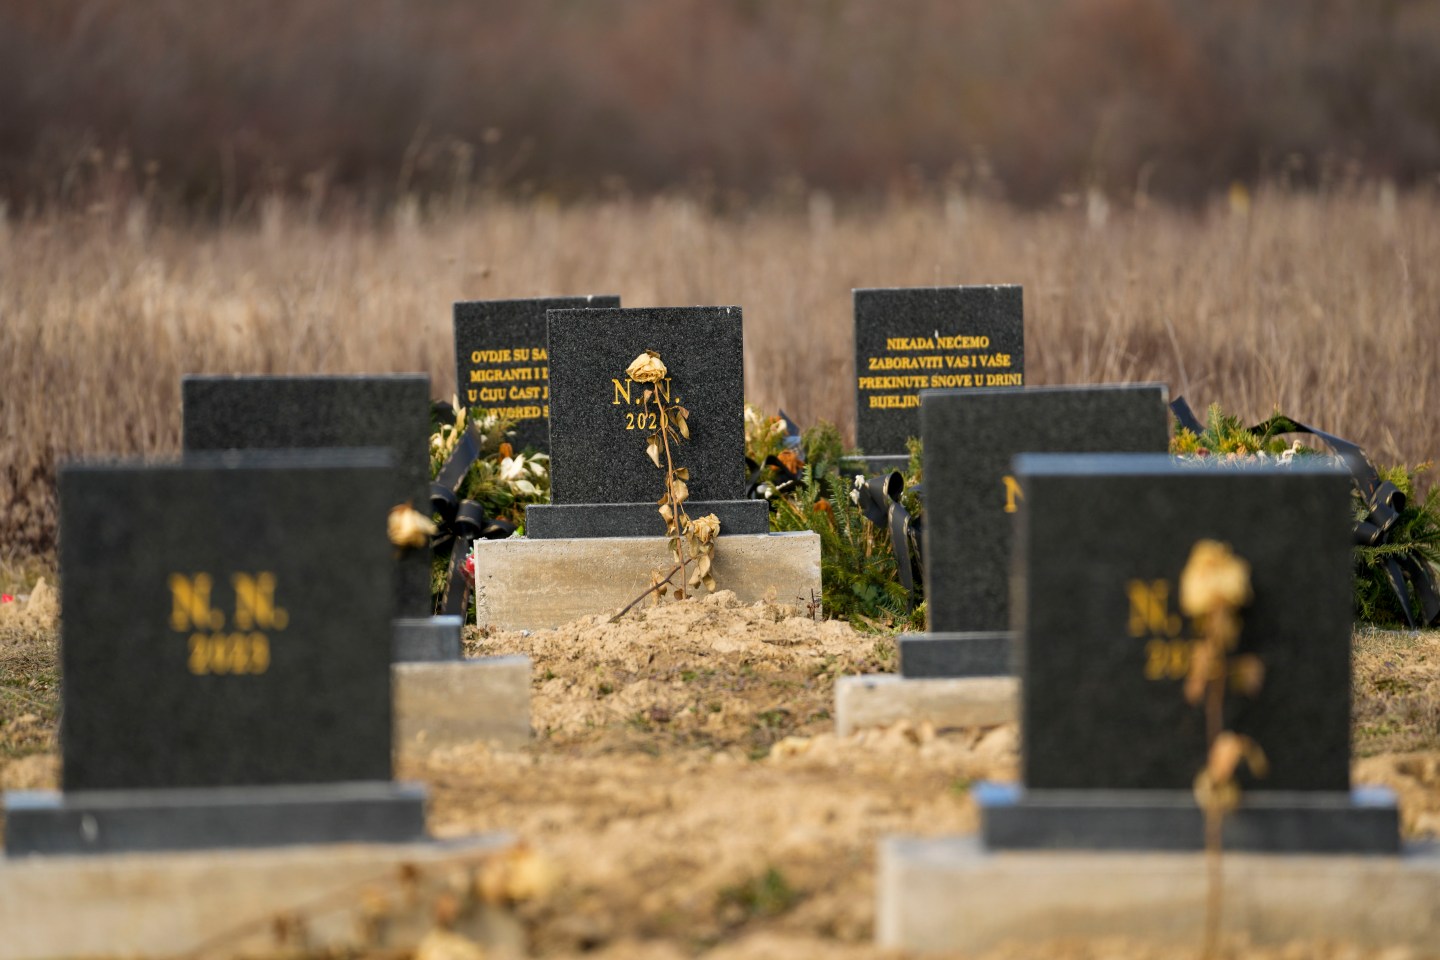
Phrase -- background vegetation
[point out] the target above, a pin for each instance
(1319, 303)
(351, 103)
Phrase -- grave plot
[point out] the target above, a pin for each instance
(959, 673)
(436, 689)
(226, 748)
(502, 362)
(659, 732)
(602, 539)
(1119, 712)
(226, 681)
(928, 338)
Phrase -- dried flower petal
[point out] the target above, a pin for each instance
(646, 368)
(705, 529)
(408, 527)
(1214, 578)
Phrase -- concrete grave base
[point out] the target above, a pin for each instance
(420, 639)
(930, 655)
(950, 895)
(525, 584)
(462, 701)
(48, 822)
(877, 700)
(162, 904)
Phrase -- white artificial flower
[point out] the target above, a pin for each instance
(512, 468)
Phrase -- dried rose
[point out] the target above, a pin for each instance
(1215, 578)
(705, 529)
(647, 368)
(407, 527)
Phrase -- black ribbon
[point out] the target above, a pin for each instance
(461, 522)
(879, 501)
(1383, 503)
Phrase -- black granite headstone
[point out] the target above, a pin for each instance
(1110, 747)
(972, 499)
(226, 651)
(602, 482)
(272, 413)
(928, 338)
(501, 360)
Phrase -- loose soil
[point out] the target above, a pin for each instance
(689, 793)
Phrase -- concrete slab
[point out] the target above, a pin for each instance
(420, 639)
(441, 704)
(525, 584)
(948, 894)
(171, 903)
(880, 699)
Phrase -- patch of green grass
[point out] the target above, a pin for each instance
(763, 896)
(772, 719)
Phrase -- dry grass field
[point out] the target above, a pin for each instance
(1323, 305)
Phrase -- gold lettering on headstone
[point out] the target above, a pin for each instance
(190, 603)
(1167, 650)
(942, 360)
(1013, 493)
(246, 650)
(506, 383)
(645, 420)
(1150, 609)
(255, 602)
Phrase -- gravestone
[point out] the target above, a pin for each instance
(502, 362)
(602, 482)
(972, 499)
(911, 339)
(1110, 747)
(225, 650)
(285, 412)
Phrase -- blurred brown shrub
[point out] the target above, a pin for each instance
(353, 102)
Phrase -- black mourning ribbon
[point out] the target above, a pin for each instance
(461, 522)
(1383, 502)
(879, 501)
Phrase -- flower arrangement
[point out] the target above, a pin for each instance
(1413, 540)
(859, 572)
(501, 480)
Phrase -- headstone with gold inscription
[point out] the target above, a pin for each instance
(339, 411)
(1110, 745)
(226, 658)
(502, 362)
(972, 500)
(603, 483)
(928, 338)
